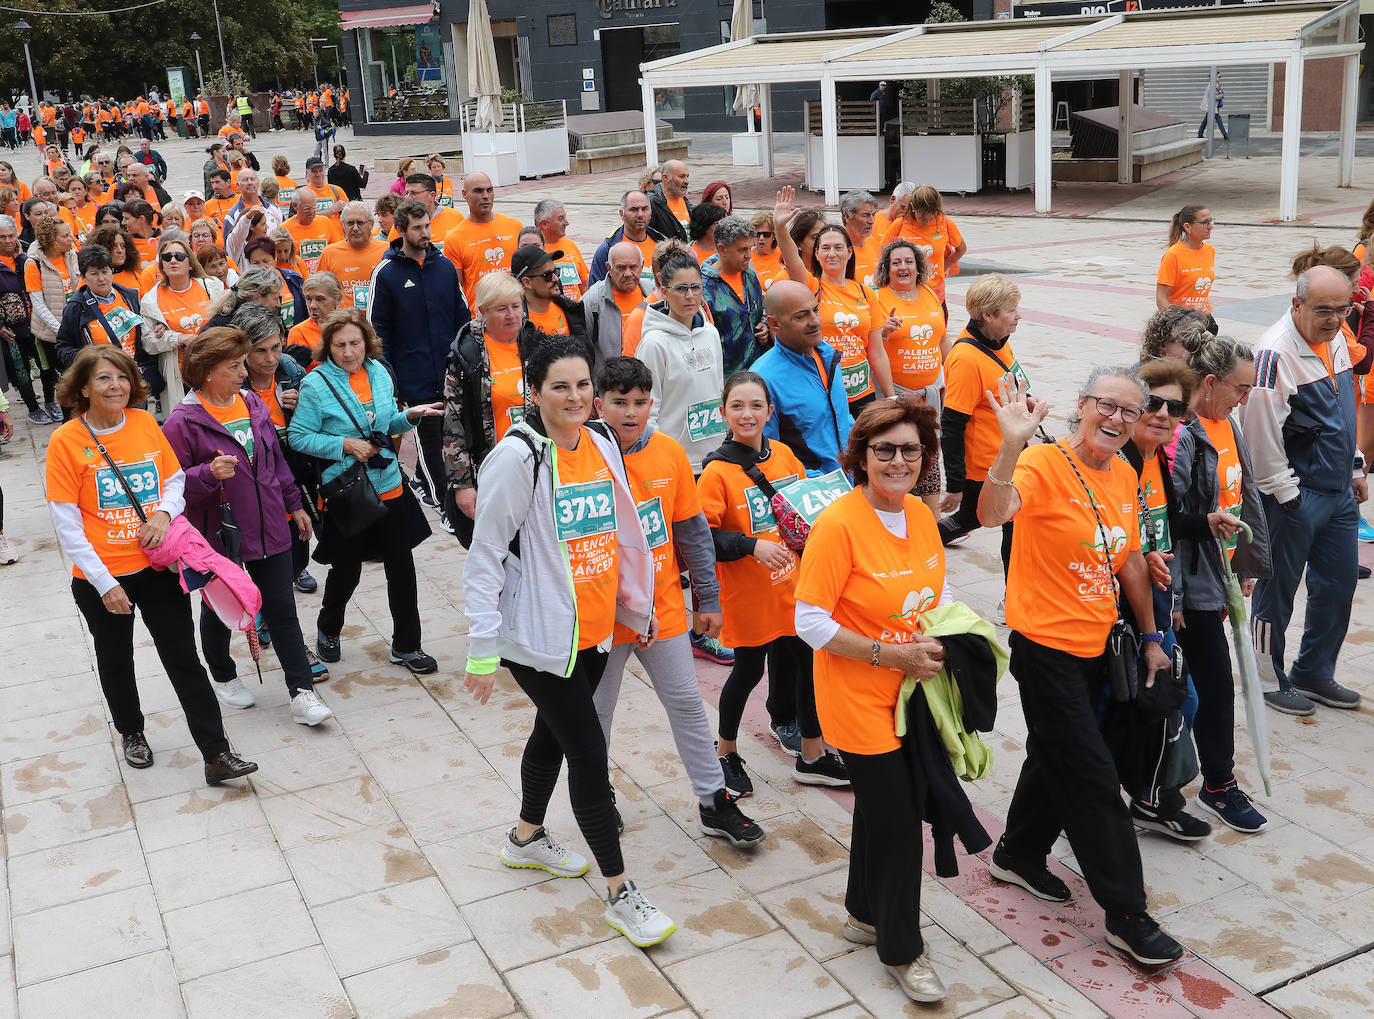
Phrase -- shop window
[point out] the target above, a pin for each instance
(562, 29)
(403, 73)
(665, 41)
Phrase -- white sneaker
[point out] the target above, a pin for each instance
(308, 709)
(7, 552)
(1002, 612)
(637, 918)
(543, 853)
(234, 693)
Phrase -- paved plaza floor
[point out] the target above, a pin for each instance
(356, 873)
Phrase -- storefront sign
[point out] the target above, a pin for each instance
(1090, 8)
(630, 8)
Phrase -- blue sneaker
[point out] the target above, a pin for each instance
(1232, 806)
(788, 736)
(1366, 530)
(710, 649)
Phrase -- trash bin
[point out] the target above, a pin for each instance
(1238, 128)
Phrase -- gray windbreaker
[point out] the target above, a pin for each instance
(523, 607)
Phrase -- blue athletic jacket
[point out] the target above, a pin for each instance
(810, 413)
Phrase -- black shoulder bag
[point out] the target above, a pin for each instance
(350, 497)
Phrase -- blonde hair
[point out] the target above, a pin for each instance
(493, 287)
(278, 234)
(990, 294)
(325, 282)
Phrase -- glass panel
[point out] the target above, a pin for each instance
(664, 41)
(403, 73)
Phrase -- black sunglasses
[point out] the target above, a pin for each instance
(1177, 408)
(177, 256)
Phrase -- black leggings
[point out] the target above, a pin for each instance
(273, 578)
(26, 367)
(965, 520)
(401, 594)
(1203, 638)
(791, 686)
(566, 725)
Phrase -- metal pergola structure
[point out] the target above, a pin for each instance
(1047, 48)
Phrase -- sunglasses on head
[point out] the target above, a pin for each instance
(174, 256)
(1177, 408)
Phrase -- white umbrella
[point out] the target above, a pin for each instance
(742, 27)
(484, 80)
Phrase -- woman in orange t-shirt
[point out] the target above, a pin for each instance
(322, 297)
(1076, 554)
(1188, 268)
(922, 221)
(873, 567)
(757, 579)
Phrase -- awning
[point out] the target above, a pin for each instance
(387, 17)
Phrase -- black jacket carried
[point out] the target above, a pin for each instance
(661, 217)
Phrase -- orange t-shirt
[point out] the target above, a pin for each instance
(362, 389)
(1221, 433)
(702, 254)
(354, 269)
(849, 312)
(184, 312)
(913, 351)
(881, 225)
(1188, 274)
(217, 208)
(85, 219)
(678, 207)
(286, 193)
(632, 328)
(1154, 525)
(507, 384)
(477, 249)
(313, 239)
(236, 422)
(304, 334)
(33, 278)
(759, 603)
(274, 410)
(129, 278)
(552, 322)
(572, 270)
(77, 473)
(878, 585)
(147, 249)
(443, 193)
(969, 375)
(1060, 591)
(584, 515)
(866, 260)
(665, 492)
(123, 319)
(441, 224)
(768, 268)
(325, 197)
(934, 238)
(147, 278)
(202, 108)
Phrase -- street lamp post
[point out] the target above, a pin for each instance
(195, 41)
(24, 28)
(223, 63)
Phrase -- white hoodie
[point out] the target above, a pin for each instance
(689, 374)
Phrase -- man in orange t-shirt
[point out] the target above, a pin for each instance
(421, 187)
(329, 198)
(551, 219)
(545, 307)
(353, 259)
(484, 241)
(858, 209)
(311, 232)
(671, 211)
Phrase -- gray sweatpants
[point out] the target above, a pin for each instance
(670, 669)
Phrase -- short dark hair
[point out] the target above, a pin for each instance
(139, 209)
(702, 218)
(83, 366)
(881, 416)
(208, 349)
(623, 374)
(220, 171)
(423, 179)
(93, 256)
(408, 210)
(260, 243)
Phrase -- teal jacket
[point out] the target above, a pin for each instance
(968, 755)
(321, 422)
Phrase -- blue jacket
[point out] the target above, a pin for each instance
(417, 311)
(603, 254)
(321, 423)
(810, 413)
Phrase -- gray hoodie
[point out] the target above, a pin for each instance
(689, 374)
(522, 607)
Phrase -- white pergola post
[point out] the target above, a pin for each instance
(650, 125)
(1044, 138)
(1124, 144)
(1350, 92)
(1292, 137)
(830, 142)
(766, 125)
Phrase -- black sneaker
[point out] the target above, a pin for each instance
(327, 647)
(1140, 937)
(1290, 702)
(421, 491)
(1035, 879)
(416, 661)
(1183, 826)
(824, 770)
(1330, 693)
(736, 780)
(725, 819)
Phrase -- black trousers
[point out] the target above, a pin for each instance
(1203, 638)
(791, 686)
(1069, 781)
(965, 520)
(429, 460)
(273, 578)
(166, 612)
(885, 854)
(401, 596)
(566, 725)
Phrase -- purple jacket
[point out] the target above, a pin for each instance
(261, 493)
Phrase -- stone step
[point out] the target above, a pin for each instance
(607, 139)
(620, 157)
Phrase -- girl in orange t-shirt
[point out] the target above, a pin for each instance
(923, 222)
(757, 577)
(1188, 268)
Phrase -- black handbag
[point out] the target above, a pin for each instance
(350, 497)
(230, 534)
(1123, 645)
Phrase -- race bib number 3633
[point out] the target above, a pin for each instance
(143, 482)
(583, 510)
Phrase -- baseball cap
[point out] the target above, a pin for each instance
(313, 162)
(529, 259)
(193, 194)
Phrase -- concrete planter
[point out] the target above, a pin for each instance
(947, 162)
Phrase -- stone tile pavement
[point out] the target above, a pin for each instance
(356, 873)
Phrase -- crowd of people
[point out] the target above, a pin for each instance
(753, 441)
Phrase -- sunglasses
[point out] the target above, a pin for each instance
(547, 277)
(686, 289)
(763, 233)
(1177, 408)
(174, 256)
(883, 452)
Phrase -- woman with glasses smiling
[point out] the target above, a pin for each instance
(1188, 268)
(175, 309)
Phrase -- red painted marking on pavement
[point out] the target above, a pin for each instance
(1078, 240)
(1108, 288)
(1065, 322)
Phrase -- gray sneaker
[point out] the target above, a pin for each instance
(1290, 702)
(38, 416)
(54, 411)
(1330, 693)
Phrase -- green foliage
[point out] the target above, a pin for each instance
(942, 13)
(215, 84)
(998, 90)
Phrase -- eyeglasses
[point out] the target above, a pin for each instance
(687, 289)
(883, 452)
(1204, 222)
(1108, 408)
(1177, 408)
(1243, 390)
(174, 256)
(1340, 312)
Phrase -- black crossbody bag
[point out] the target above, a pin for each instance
(350, 497)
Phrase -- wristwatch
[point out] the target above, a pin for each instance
(1291, 506)
(1153, 638)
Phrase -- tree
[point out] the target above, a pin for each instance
(994, 94)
